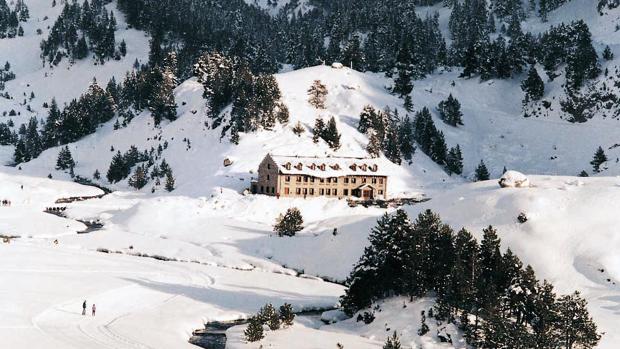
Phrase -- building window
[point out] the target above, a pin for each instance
(364, 180)
(346, 192)
(298, 178)
(311, 191)
(329, 192)
(380, 192)
(335, 192)
(374, 181)
(262, 189)
(305, 178)
(267, 177)
(269, 166)
(273, 190)
(287, 178)
(329, 180)
(311, 179)
(322, 180)
(287, 191)
(298, 191)
(336, 180)
(353, 180)
(321, 191)
(380, 180)
(346, 179)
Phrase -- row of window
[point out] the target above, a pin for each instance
(320, 191)
(311, 191)
(305, 179)
(267, 190)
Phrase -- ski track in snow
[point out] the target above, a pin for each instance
(65, 324)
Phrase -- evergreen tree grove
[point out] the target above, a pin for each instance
(497, 300)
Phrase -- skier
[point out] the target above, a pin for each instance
(84, 308)
(94, 309)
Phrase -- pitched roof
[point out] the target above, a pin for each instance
(324, 167)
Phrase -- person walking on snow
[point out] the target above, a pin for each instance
(94, 309)
(84, 308)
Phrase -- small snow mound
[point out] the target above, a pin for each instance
(333, 316)
(514, 179)
(337, 65)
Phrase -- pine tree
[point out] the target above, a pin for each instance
(162, 103)
(317, 94)
(575, 326)
(139, 178)
(450, 111)
(289, 223)
(331, 134)
(65, 159)
(454, 161)
(403, 84)
(544, 315)
(405, 139)
(367, 117)
(169, 181)
(423, 326)
(286, 315)
(582, 61)
(118, 168)
(97, 175)
(439, 149)
(20, 154)
(392, 146)
(608, 54)
(254, 331)
(599, 159)
(269, 316)
(491, 271)
(318, 130)
(482, 174)
(392, 342)
(373, 148)
(352, 55)
(381, 269)
(298, 129)
(533, 86)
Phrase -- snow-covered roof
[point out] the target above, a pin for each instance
(324, 167)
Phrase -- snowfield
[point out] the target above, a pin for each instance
(570, 238)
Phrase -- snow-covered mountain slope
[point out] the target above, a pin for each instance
(196, 153)
(65, 81)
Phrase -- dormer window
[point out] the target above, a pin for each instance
(364, 167)
(335, 167)
(353, 167)
(287, 166)
(322, 167)
(373, 168)
(299, 166)
(312, 166)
